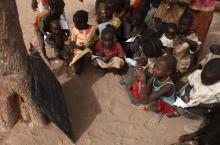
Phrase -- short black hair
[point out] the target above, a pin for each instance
(152, 47)
(81, 16)
(56, 4)
(210, 73)
(109, 30)
(172, 26)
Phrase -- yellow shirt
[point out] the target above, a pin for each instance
(84, 37)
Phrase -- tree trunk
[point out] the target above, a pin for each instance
(15, 94)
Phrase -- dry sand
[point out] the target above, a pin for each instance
(99, 109)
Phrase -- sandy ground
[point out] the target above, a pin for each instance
(99, 109)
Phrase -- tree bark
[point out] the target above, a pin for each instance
(15, 94)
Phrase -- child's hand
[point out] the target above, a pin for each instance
(99, 54)
(81, 47)
(185, 99)
(107, 59)
(141, 74)
(48, 36)
(179, 40)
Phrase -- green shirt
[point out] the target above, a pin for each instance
(44, 23)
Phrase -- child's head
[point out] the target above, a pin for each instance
(210, 73)
(55, 27)
(185, 23)
(110, 6)
(138, 16)
(56, 7)
(108, 37)
(152, 47)
(171, 30)
(164, 66)
(80, 19)
(215, 49)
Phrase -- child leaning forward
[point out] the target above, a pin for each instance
(82, 39)
(109, 53)
(160, 88)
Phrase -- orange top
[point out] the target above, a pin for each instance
(115, 51)
(37, 18)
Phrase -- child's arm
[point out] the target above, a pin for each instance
(167, 89)
(145, 88)
(74, 45)
(186, 98)
(66, 32)
(193, 44)
(210, 106)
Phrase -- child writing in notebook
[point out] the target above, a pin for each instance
(109, 51)
(202, 88)
(83, 39)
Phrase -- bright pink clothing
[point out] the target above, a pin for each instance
(203, 5)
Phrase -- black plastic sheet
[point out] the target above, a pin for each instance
(47, 93)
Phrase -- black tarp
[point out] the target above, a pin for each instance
(47, 93)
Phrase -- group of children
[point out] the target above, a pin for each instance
(131, 36)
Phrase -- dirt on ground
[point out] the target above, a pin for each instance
(99, 109)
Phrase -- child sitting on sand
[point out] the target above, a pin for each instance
(109, 53)
(152, 49)
(203, 86)
(168, 37)
(133, 28)
(82, 39)
(159, 90)
(57, 40)
(160, 87)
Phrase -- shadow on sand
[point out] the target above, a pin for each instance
(81, 101)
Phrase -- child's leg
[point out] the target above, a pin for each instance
(78, 66)
(58, 54)
(40, 37)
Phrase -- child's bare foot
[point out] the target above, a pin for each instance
(155, 119)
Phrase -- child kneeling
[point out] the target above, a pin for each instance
(109, 53)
